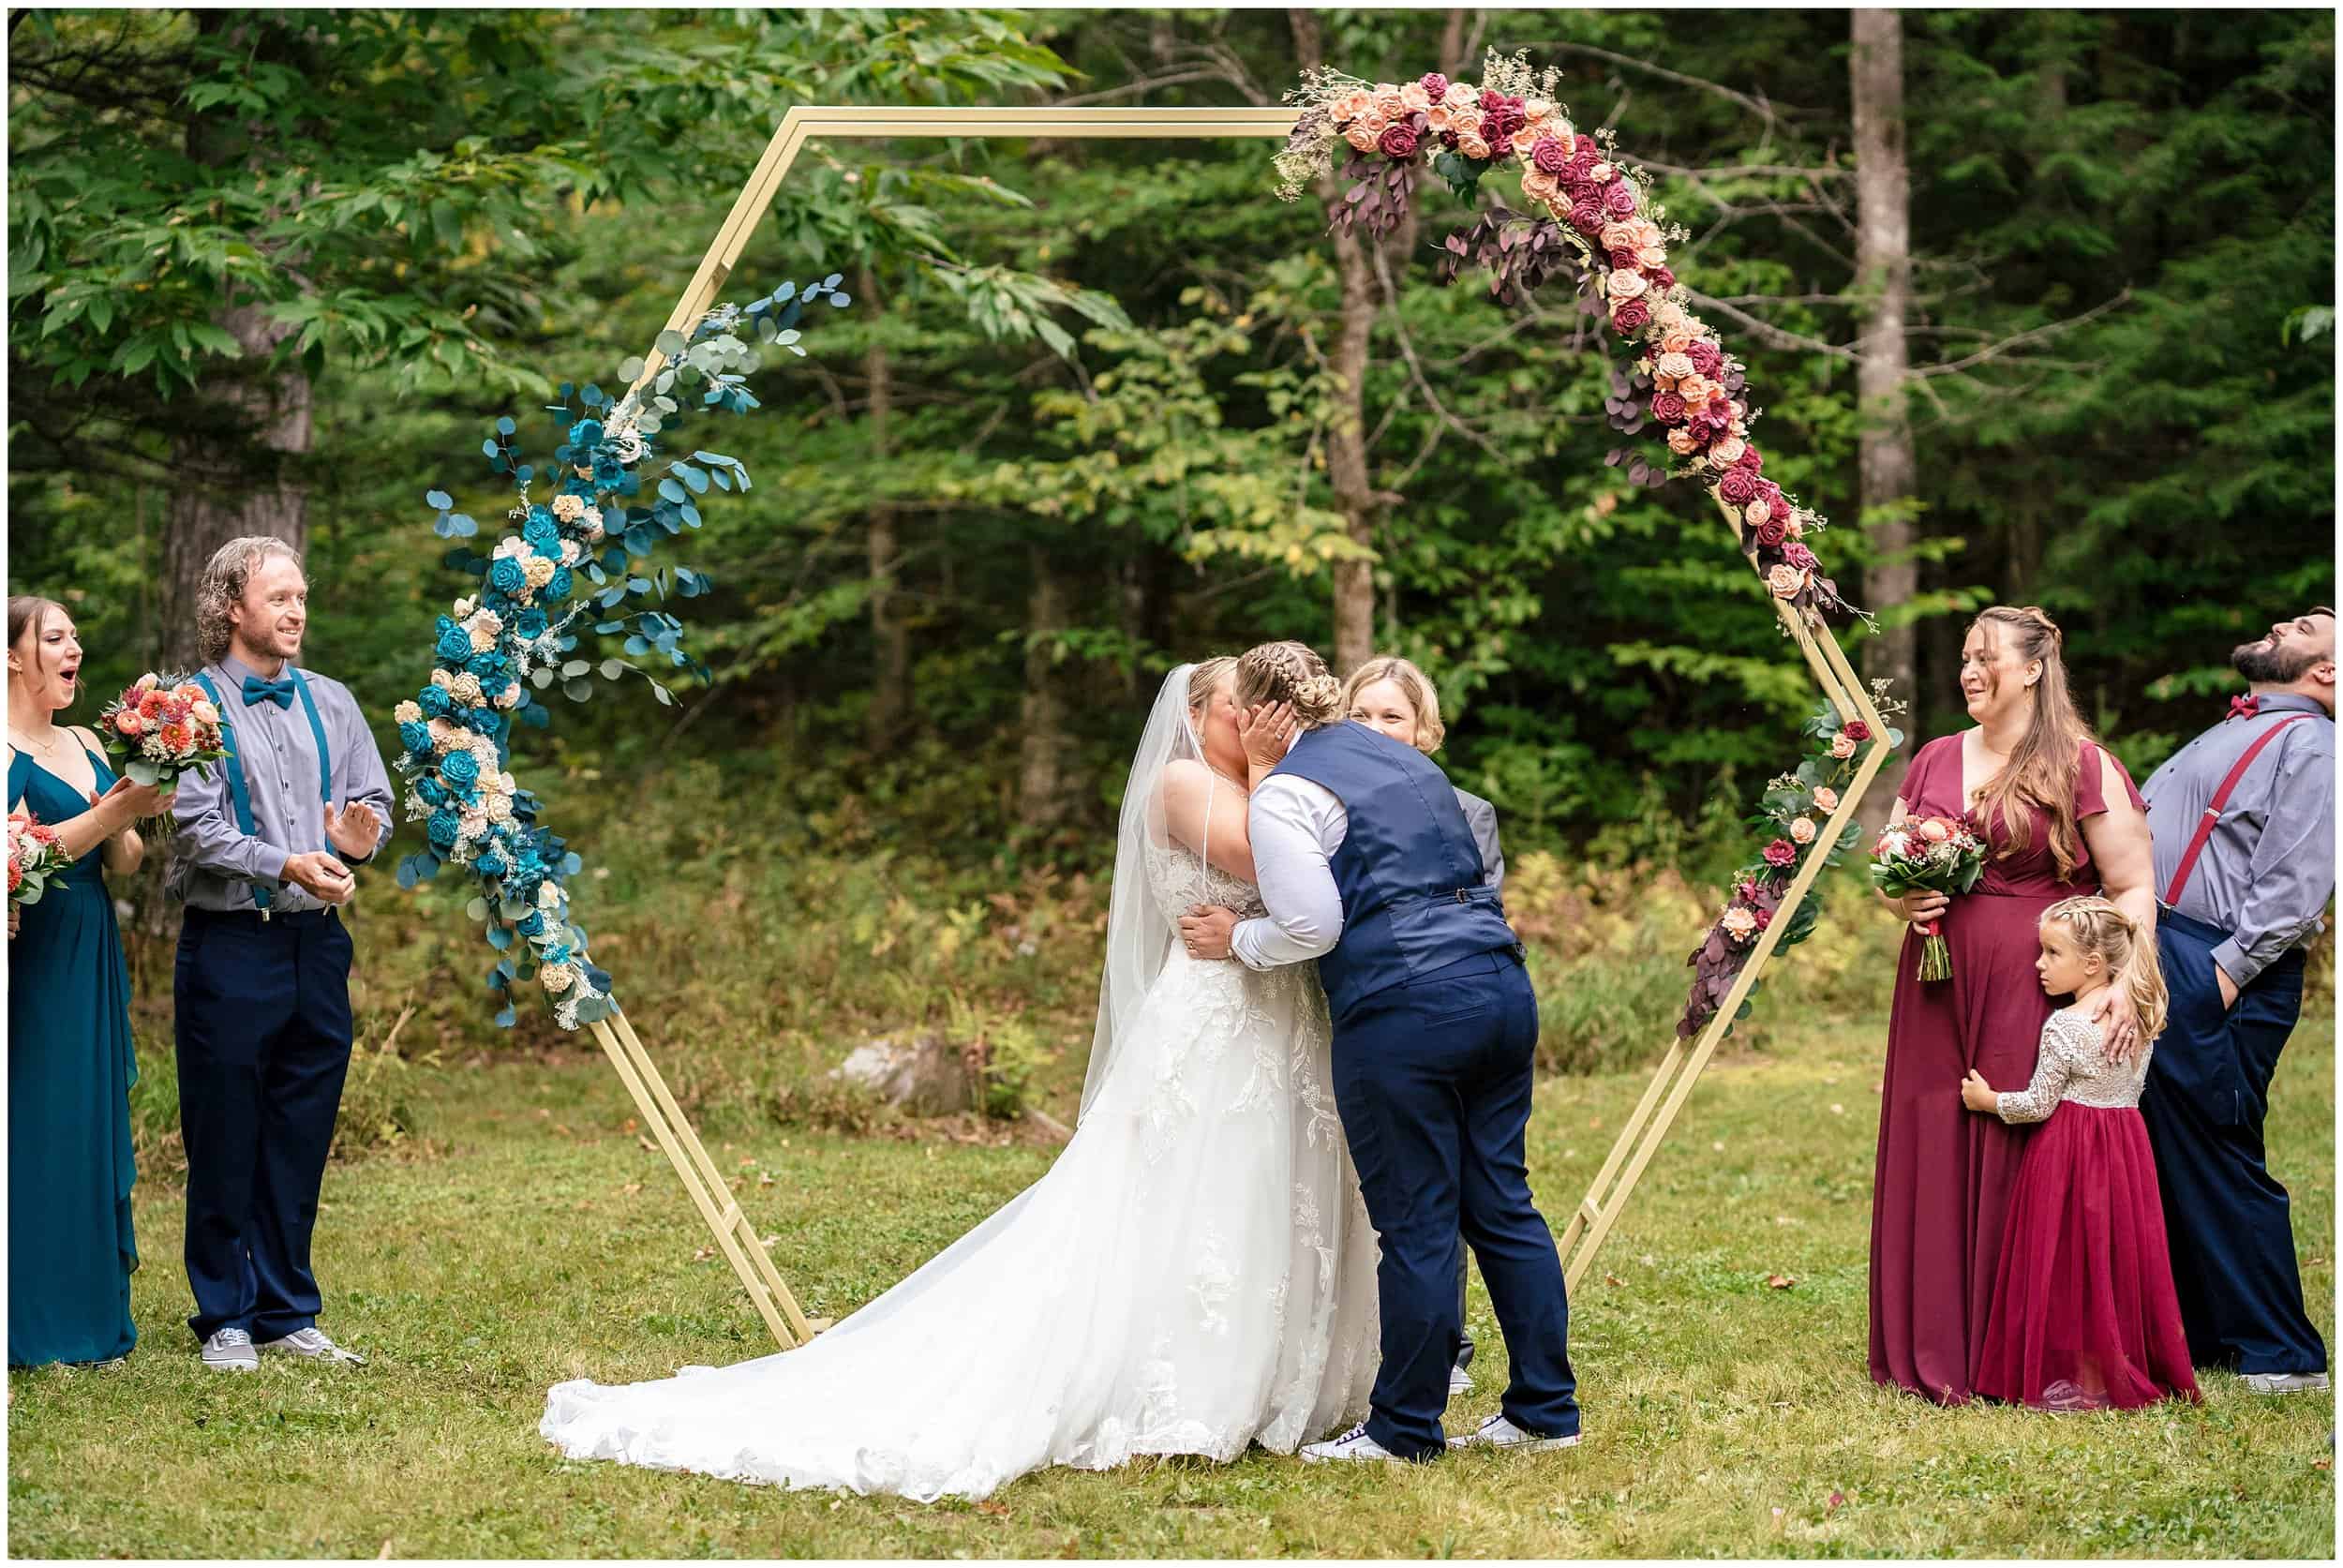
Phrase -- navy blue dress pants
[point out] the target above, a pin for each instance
(2225, 1215)
(1432, 1080)
(264, 1045)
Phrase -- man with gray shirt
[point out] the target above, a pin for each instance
(2244, 823)
(261, 991)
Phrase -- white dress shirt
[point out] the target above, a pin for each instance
(1295, 827)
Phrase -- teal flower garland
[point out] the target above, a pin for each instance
(564, 574)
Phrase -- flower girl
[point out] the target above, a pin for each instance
(2083, 1312)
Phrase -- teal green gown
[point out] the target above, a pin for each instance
(71, 1067)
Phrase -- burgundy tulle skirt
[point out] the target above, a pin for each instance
(2083, 1314)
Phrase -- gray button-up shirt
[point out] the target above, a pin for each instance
(2268, 870)
(214, 863)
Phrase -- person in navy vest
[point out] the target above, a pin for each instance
(2243, 820)
(262, 859)
(1367, 865)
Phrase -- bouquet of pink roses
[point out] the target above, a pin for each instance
(1929, 855)
(35, 854)
(162, 728)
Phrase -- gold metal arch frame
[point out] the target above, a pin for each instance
(1679, 1069)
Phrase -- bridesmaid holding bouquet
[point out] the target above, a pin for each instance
(2061, 819)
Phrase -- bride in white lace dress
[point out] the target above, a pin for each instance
(1194, 1274)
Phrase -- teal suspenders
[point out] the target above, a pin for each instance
(239, 793)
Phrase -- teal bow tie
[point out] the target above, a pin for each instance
(278, 692)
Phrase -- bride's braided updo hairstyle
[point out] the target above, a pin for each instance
(1289, 672)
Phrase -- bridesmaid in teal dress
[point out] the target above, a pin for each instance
(71, 1251)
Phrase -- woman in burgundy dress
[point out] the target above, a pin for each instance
(2062, 819)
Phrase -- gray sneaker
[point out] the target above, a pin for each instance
(229, 1350)
(311, 1344)
(2286, 1383)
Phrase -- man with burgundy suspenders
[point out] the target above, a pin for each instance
(262, 859)
(2244, 823)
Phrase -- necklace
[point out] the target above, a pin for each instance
(1233, 784)
(47, 748)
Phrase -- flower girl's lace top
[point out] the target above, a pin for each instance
(2074, 1065)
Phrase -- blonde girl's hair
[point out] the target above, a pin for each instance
(1289, 672)
(1205, 674)
(2101, 929)
(2042, 772)
(1414, 685)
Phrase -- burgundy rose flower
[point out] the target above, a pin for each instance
(1855, 729)
(1586, 215)
(1794, 552)
(1747, 890)
(1750, 460)
(1618, 199)
(1772, 533)
(1623, 260)
(1435, 86)
(1448, 140)
(1765, 917)
(1585, 148)
(1399, 140)
(1663, 277)
(1491, 100)
(1738, 486)
(1771, 493)
(1550, 156)
(1668, 408)
(1632, 317)
(1501, 144)
(1707, 357)
(1780, 852)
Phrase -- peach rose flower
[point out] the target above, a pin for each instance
(1739, 923)
(1617, 236)
(1675, 366)
(1671, 318)
(1413, 98)
(1653, 255)
(1539, 186)
(1756, 514)
(1676, 342)
(1680, 442)
(1827, 799)
(1350, 106)
(1375, 117)
(1601, 174)
(1802, 829)
(1786, 582)
(1934, 831)
(1362, 136)
(1841, 747)
(1460, 94)
(1625, 285)
(1441, 118)
(1389, 105)
(1470, 143)
(1728, 451)
(1693, 390)
(1796, 525)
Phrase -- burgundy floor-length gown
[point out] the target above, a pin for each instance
(1940, 1193)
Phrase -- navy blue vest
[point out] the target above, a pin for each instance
(1408, 872)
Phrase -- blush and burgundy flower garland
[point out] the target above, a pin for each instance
(1583, 200)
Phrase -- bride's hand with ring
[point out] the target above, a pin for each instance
(1267, 730)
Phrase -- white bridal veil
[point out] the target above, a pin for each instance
(1138, 930)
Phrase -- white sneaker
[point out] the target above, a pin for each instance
(1352, 1444)
(1459, 1381)
(2286, 1383)
(229, 1350)
(312, 1344)
(1497, 1432)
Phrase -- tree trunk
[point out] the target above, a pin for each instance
(229, 489)
(890, 689)
(1039, 780)
(1882, 261)
(238, 470)
(1346, 440)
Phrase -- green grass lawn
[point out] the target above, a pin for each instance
(1723, 1417)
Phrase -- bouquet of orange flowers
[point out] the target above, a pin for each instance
(162, 728)
(35, 854)
(1929, 855)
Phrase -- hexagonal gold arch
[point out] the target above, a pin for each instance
(1591, 1223)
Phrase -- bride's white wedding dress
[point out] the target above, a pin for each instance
(1194, 1274)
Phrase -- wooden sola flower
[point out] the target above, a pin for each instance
(1583, 206)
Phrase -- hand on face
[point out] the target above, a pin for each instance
(1267, 731)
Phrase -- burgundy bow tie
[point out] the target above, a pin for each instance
(2245, 707)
